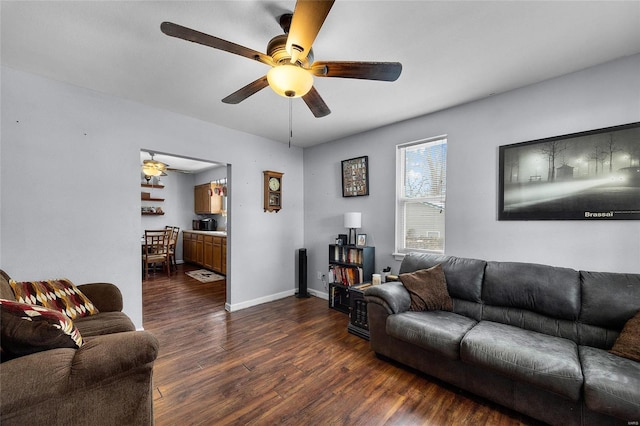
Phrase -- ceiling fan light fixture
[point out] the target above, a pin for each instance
(151, 171)
(153, 167)
(290, 81)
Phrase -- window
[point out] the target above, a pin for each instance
(420, 197)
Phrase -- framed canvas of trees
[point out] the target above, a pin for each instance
(592, 175)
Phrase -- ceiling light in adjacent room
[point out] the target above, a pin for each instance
(153, 167)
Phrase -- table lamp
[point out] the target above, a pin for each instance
(353, 221)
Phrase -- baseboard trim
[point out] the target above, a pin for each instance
(319, 294)
(259, 301)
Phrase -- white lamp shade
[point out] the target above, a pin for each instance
(353, 220)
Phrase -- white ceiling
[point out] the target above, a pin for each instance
(452, 52)
(179, 164)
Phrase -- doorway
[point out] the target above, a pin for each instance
(168, 200)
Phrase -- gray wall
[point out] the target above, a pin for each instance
(598, 97)
(70, 203)
(70, 189)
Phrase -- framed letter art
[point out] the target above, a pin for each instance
(355, 177)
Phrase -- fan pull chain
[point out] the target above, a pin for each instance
(290, 122)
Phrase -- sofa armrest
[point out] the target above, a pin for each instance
(104, 296)
(58, 372)
(393, 296)
(109, 355)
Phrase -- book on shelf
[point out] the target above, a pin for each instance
(363, 286)
(344, 254)
(345, 275)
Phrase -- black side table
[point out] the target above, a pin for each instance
(358, 322)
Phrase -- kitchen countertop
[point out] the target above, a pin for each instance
(215, 233)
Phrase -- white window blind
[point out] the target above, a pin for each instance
(421, 195)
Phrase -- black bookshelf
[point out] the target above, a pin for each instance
(349, 266)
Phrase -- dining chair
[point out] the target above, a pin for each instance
(175, 233)
(156, 249)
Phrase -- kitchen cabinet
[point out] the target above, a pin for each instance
(200, 249)
(189, 247)
(224, 256)
(205, 199)
(209, 251)
(208, 260)
(217, 254)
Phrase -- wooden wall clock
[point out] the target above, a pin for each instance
(272, 191)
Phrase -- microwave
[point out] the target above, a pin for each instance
(204, 224)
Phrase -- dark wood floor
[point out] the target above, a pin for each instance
(288, 362)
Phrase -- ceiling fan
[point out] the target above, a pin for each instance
(153, 167)
(291, 57)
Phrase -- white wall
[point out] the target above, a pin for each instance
(70, 203)
(598, 97)
(70, 190)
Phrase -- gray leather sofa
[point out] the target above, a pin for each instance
(531, 337)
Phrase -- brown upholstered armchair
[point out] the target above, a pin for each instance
(107, 381)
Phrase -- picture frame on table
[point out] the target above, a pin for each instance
(355, 176)
(361, 240)
(591, 175)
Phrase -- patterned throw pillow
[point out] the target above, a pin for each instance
(60, 295)
(27, 329)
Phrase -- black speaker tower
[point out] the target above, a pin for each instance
(302, 273)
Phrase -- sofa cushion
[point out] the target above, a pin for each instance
(61, 295)
(627, 345)
(543, 289)
(28, 329)
(464, 276)
(533, 321)
(548, 362)
(437, 331)
(427, 289)
(609, 299)
(611, 383)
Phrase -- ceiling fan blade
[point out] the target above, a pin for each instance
(384, 71)
(178, 31)
(308, 17)
(316, 104)
(248, 90)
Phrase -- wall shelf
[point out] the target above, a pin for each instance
(146, 196)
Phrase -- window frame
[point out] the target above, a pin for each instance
(400, 201)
